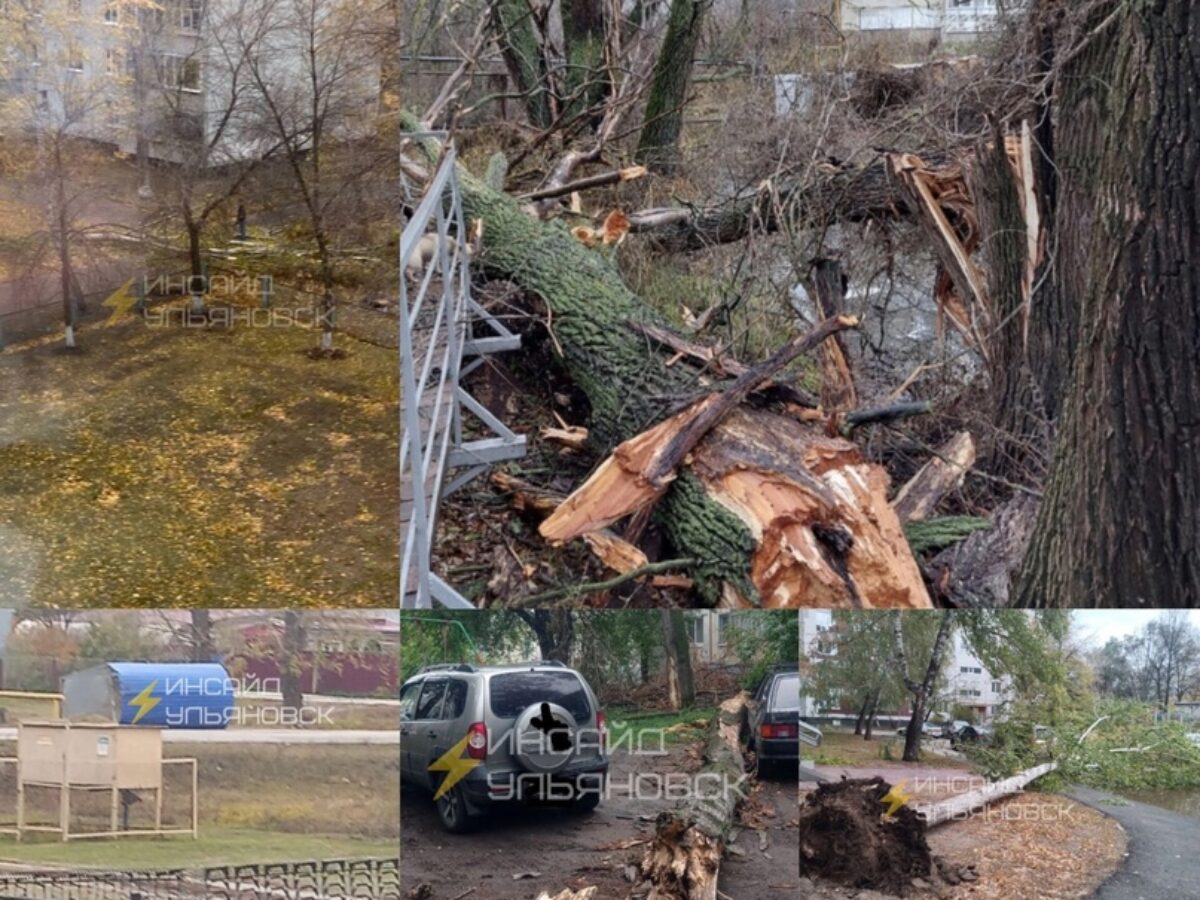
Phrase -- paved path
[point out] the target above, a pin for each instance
(263, 736)
(1163, 856)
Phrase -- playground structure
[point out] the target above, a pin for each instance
(95, 758)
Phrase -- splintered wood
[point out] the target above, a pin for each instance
(937, 478)
(940, 197)
(684, 859)
(826, 535)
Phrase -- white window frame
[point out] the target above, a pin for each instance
(112, 13)
(191, 15)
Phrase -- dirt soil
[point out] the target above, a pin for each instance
(844, 837)
(1030, 845)
(524, 850)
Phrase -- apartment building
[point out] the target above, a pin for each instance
(165, 78)
(948, 18)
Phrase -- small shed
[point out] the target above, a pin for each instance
(90, 755)
(164, 695)
(114, 760)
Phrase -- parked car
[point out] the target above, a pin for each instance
(534, 731)
(928, 729)
(776, 730)
(972, 734)
(952, 727)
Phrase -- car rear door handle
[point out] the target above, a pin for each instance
(431, 733)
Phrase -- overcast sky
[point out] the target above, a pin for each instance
(1096, 626)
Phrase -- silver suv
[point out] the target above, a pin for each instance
(480, 735)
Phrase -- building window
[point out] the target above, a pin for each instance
(112, 12)
(180, 72)
(722, 623)
(995, 687)
(114, 62)
(695, 625)
(75, 57)
(190, 12)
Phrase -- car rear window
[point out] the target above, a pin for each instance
(787, 693)
(512, 692)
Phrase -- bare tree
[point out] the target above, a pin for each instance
(316, 85)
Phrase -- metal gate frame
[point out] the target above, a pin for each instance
(431, 441)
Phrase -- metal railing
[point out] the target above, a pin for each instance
(439, 320)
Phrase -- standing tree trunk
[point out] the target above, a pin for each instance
(293, 661)
(203, 648)
(862, 714)
(681, 686)
(874, 707)
(587, 82)
(62, 235)
(554, 630)
(521, 47)
(658, 144)
(1120, 520)
(922, 690)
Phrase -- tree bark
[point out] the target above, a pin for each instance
(837, 382)
(681, 686)
(587, 82)
(874, 707)
(293, 661)
(521, 47)
(827, 536)
(964, 804)
(1119, 524)
(554, 630)
(658, 143)
(813, 199)
(203, 648)
(684, 858)
(862, 714)
(922, 691)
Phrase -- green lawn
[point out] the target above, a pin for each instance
(842, 748)
(622, 722)
(215, 846)
(170, 466)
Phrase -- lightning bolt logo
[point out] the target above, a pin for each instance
(452, 763)
(143, 702)
(895, 798)
(121, 301)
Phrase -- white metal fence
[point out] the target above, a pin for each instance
(439, 321)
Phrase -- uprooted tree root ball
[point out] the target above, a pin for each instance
(845, 837)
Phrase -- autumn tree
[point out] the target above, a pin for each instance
(315, 83)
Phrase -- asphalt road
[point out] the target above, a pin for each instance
(263, 736)
(1163, 862)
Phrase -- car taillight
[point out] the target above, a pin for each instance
(600, 728)
(477, 741)
(780, 731)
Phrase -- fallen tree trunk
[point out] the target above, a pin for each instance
(773, 513)
(684, 858)
(825, 194)
(965, 804)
